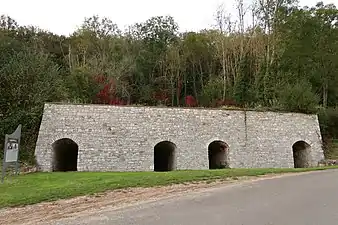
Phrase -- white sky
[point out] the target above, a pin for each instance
(64, 16)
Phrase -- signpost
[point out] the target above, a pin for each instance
(11, 151)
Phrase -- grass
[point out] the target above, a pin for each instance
(38, 187)
(332, 151)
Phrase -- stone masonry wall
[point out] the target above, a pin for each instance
(122, 138)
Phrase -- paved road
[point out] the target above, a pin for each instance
(308, 199)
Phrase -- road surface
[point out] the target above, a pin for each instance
(307, 199)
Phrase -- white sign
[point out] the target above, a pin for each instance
(12, 150)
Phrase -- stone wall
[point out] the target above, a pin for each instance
(122, 138)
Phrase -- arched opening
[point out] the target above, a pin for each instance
(301, 154)
(164, 156)
(218, 155)
(65, 153)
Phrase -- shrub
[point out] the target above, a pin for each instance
(298, 97)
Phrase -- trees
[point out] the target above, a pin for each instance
(28, 78)
(310, 45)
(285, 59)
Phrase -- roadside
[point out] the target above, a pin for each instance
(44, 213)
(34, 188)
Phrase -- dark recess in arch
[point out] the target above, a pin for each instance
(65, 152)
(164, 156)
(301, 154)
(218, 155)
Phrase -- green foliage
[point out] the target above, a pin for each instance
(28, 79)
(298, 97)
(81, 86)
(329, 122)
(212, 91)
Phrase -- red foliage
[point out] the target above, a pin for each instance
(190, 101)
(107, 95)
(117, 101)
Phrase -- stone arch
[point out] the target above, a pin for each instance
(301, 154)
(218, 154)
(164, 156)
(65, 153)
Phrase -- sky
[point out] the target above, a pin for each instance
(64, 16)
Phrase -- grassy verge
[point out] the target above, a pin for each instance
(39, 187)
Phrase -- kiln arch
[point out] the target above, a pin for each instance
(164, 156)
(218, 154)
(301, 154)
(65, 153)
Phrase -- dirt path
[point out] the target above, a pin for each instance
(44, 213)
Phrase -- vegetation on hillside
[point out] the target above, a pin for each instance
(285, 59)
